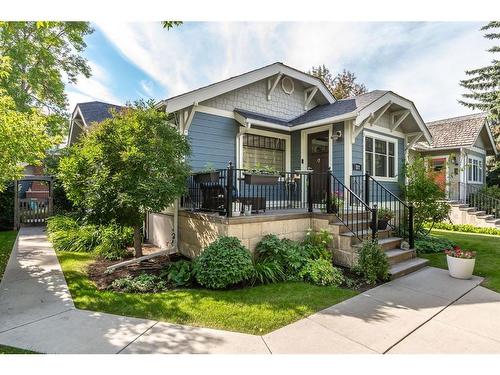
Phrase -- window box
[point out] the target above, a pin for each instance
(261, 179)
(206, 177)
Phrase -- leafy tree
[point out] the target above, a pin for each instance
(125, 166)
(484, 83)
(171, 24)
(342, 86)
(43, 56)
(425, 194)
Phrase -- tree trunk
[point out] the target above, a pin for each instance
(137, 241)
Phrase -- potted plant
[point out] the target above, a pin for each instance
(261, 175)
(237, 208)
(207, 174)
(384, 215)
(247, 209)
(460, 262)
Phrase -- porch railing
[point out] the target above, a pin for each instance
(233, 191)
(374, 193)
(474, 196)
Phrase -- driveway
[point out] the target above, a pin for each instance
(424, 312)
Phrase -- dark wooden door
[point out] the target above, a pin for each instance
(318, 160)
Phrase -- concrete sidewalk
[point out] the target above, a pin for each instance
(425, 312)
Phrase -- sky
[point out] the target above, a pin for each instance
(422, 61)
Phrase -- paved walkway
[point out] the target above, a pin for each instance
(425, 312)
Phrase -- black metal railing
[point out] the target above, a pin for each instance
(474, 196)
(375, 194)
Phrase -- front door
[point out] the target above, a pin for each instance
(318, 161)
(438, 166)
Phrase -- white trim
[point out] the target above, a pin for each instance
(286, 137)
(385, 138)
(215, 111)
(382, 111)
(384, 130)
(184, 100)
(483, 169)
(303, 144)
(481, 151)
(271, 86)
(446, 171)
(76, 111)
(490, 137)
(348, 130)
(396, 123)
(309, 95)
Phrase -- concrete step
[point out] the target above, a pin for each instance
(348, 239)
(406, 267)
(493, 221)
(468, 209)
(485, 217)
(397, 255)
(478, 213)
(342, 228)
(390, 243)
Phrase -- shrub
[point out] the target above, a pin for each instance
(144, 283)
(432, 244)
(268, 271)
(179, 273)
(288, 254)
(223, 263)
(316, 245)
(372, 263)
(466, 228)
(59, 223)
(321, 272)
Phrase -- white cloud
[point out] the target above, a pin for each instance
(97, 87)
(422, 61)
(147, 88)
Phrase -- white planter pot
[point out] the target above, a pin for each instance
(247, 209)
(237, 208)
(460, 268)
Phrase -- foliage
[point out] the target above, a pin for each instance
(107, 241)
(467, 228)
(43, 56)
(372, 263)
(7, 208)
(493, 175)
(23, 139)
(170, 24)
(7, 240)
(321, 272)
(61, 204)
(342, 86)
(179, 273)
(384, 213)
(483, 83)
(225, 262)
(288, 254)
(492, 191)
(432, 244)
(425, 194)
(126, 166)
(268, 271)
(316, 243)
(263, 169)
(457, 252)
(144, 283)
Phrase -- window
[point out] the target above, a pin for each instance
(263, 151)
(380, 157)
(475, 170)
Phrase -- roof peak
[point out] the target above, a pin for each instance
(457, 118)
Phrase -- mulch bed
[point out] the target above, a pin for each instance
(97, 270)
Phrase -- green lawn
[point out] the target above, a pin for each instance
(487, 258)
(10, 350)
(255, 310)
(7, 240)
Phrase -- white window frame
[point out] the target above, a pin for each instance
(303, 144)
(266, 133)
(381, 137)
(480, 168)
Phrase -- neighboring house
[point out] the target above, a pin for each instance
(458, 152)
(281, 117)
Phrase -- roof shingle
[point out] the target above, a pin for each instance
(96, 111)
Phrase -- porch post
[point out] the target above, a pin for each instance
(229, 190)
(329, 191)
(374, 222)
(411, 235)
(309, 193)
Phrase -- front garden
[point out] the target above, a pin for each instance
(7, 240)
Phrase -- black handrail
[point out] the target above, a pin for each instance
(473, 195)
(374, 192)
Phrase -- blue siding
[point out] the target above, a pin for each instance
(213, 140)
(296, 162)
(357, 150)
(338, 153)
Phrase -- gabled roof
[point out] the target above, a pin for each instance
(95, 111)
(462, 131)
(187, 99)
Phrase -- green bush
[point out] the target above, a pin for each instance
(290, 255)
(321, 272)
(268, 271)
(431, 244)
(223, 263)
(492, 191)
(108, 241)
(372, 263)
(315, 245)
(179, 273)
(144, 283)
(466, 228)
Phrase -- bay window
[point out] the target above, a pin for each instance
(475, 170)
(380, 157)
(259, 150)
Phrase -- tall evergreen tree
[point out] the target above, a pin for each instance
(342, 86)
